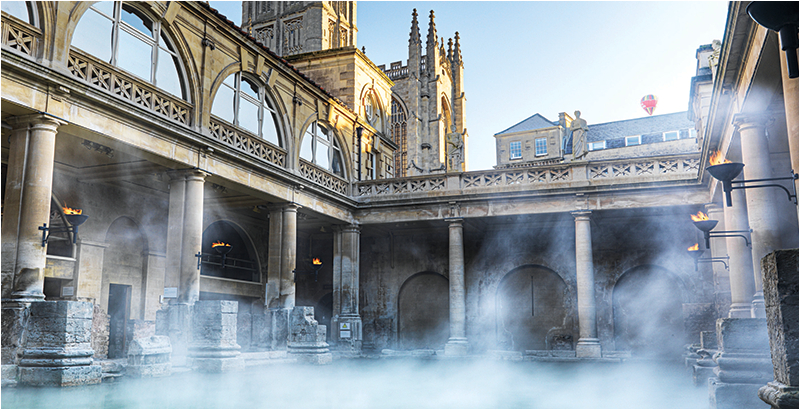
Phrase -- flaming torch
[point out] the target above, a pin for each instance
(222, 248)
(725, 171)
(74, 217)
(695, 252)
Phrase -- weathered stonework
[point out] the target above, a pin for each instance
(99, 333)
(58, 345)
(213, 348)
(149, 357)
(743, 364)
(780, 269)
(307, 338)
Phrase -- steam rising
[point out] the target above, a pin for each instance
(392, 383)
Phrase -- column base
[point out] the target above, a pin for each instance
(741, 310)
(723, 395)
(758, 309)
(588, 347)
(456, 346)
(346, 335)
(779, 395)
(60, 376)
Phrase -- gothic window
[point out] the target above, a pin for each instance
(22, 10)
(320, 147)
(128, 38)
(399, 137)
(292, 40)
(244, 103)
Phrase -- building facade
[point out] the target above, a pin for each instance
(579, 250)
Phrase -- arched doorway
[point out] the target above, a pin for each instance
(648, 313)
(123, 274)
(424, 312)
(533, 305)
(239, 264)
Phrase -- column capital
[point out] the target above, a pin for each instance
(290, 207)
(352, 228)
(749, 120)
(187, 174)
(35, 121)
(582, 215)
(455, 221)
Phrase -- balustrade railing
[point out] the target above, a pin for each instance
(21, 37)
(244, 142)
(322, 177)
(538, 177)
(110, 79)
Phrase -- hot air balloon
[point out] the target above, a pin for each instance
(649, 103)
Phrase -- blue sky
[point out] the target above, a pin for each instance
(522, 58)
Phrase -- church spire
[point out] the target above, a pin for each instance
(450, 49)
(457, 51)
(414, 39)
(432, 47)
(432, 39)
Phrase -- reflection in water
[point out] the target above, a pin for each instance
(391, 384)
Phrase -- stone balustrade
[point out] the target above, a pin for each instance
(322, 177)
(246, 143)
(21, 37)
(106, 77)
(555, 176)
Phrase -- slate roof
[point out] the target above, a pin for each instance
(640, 126)
(533, 122)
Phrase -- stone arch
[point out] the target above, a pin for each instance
(534, 309)
(241, 262)
(423, 312)
(647, 303)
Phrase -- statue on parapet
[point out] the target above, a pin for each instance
(579, 130)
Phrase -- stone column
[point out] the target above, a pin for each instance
(214, 348)
(588, 343)
(743, 363)
(721, 278)
(35, 209)
(13, 194)
(741, 258)
(272, 293)
(780, 296)
(191, 243)
(790, 105)
(457, 345)
(177, 203)
(346, 320)
(761, 202)
(288, 255)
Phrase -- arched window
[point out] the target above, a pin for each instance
(128, 38)
(372, 112)
(22, 10)
(244, 103)
(320, 147)
(399, 137)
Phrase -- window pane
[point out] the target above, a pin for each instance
(540, 145)
(305, 149)
(17, 9)
(250, 89)
(223, 102)
(137, 20)
(248, 116)
(134, 55)
(336, 164)
(106, 7)
(269, 130)
(167, 77)
(93, 35)
(323, 154)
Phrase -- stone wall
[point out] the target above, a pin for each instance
(99, 333)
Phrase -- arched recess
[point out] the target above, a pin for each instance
(648, 312)
(321, 145)
(533, 307)
(447, 115)
(241, 262)
(399, 131)
(243, 100)
(153, 50)
(122, 285)
(423, 312)
(372, 108)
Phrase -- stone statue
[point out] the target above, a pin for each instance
(579, 130)
(455, 152)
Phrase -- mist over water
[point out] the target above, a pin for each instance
(394, 383)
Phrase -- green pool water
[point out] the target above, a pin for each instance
(391, 384)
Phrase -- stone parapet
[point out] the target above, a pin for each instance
(58, 349)
(213, 348)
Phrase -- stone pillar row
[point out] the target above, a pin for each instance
(457, 344)
(588, 343)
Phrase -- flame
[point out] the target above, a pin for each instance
(316, 261)
(696, 247)
(699, 217)
(717, 158)
(220, 243)
(70, 211)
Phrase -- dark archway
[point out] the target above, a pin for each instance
(323, 312)
(648, 313)
(239, 262)
(533, 305)
(423, 310)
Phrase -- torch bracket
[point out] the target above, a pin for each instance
(721, 260)
(199, 256)
(47, 231)
(728, 234)
(315, 272)
(728, 187)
